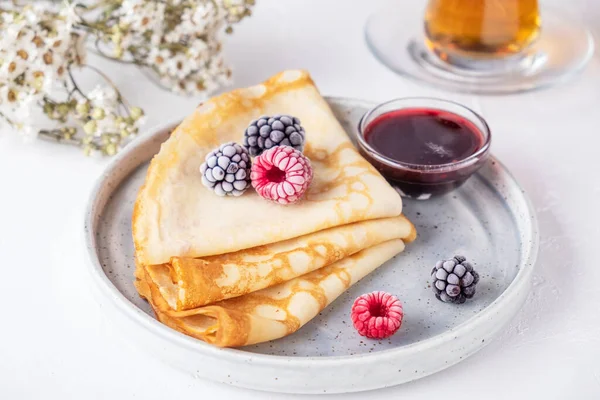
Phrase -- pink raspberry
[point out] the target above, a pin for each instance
(377, 315)
(281, 174)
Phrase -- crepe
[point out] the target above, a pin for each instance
(186, 283)
(273, 312)
(240, 270)
(174, 215)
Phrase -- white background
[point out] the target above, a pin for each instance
(55, 342)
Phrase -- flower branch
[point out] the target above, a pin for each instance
(42, 43)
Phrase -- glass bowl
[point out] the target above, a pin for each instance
(422, 181)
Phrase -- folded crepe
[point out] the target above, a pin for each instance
(215, 267)
(186, 283)
(274, 312)
(175, 215)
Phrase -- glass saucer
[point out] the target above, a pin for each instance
(562, 50)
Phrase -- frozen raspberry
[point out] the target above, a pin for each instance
(377, 315)
(281, 174)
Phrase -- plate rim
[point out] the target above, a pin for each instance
(524, 273)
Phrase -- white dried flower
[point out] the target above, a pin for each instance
(42, 42)
(36, 49)
(104, 97)
(28, 132)
(177, 39)
(103, 107)
(140, 18)
(69, 13)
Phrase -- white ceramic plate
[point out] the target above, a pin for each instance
(489, 220)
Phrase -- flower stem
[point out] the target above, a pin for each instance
(112, 84)
(75, 86)
(7, 119)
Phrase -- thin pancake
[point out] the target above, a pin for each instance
(273, 312)
(175, 215)
(187, 283)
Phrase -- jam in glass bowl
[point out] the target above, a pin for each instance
(425, 147)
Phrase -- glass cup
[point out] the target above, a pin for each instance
(480, 46)
(476, 34)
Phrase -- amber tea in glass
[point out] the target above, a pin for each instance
(462, 30)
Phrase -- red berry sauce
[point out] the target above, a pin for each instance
(424, 139)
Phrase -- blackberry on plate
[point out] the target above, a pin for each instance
(454, 280)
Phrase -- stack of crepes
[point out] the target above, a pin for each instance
(234, 271)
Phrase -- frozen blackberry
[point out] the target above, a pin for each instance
(278, 130)
(226, 170)
(454, 280)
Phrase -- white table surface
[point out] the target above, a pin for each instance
(55, 342)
